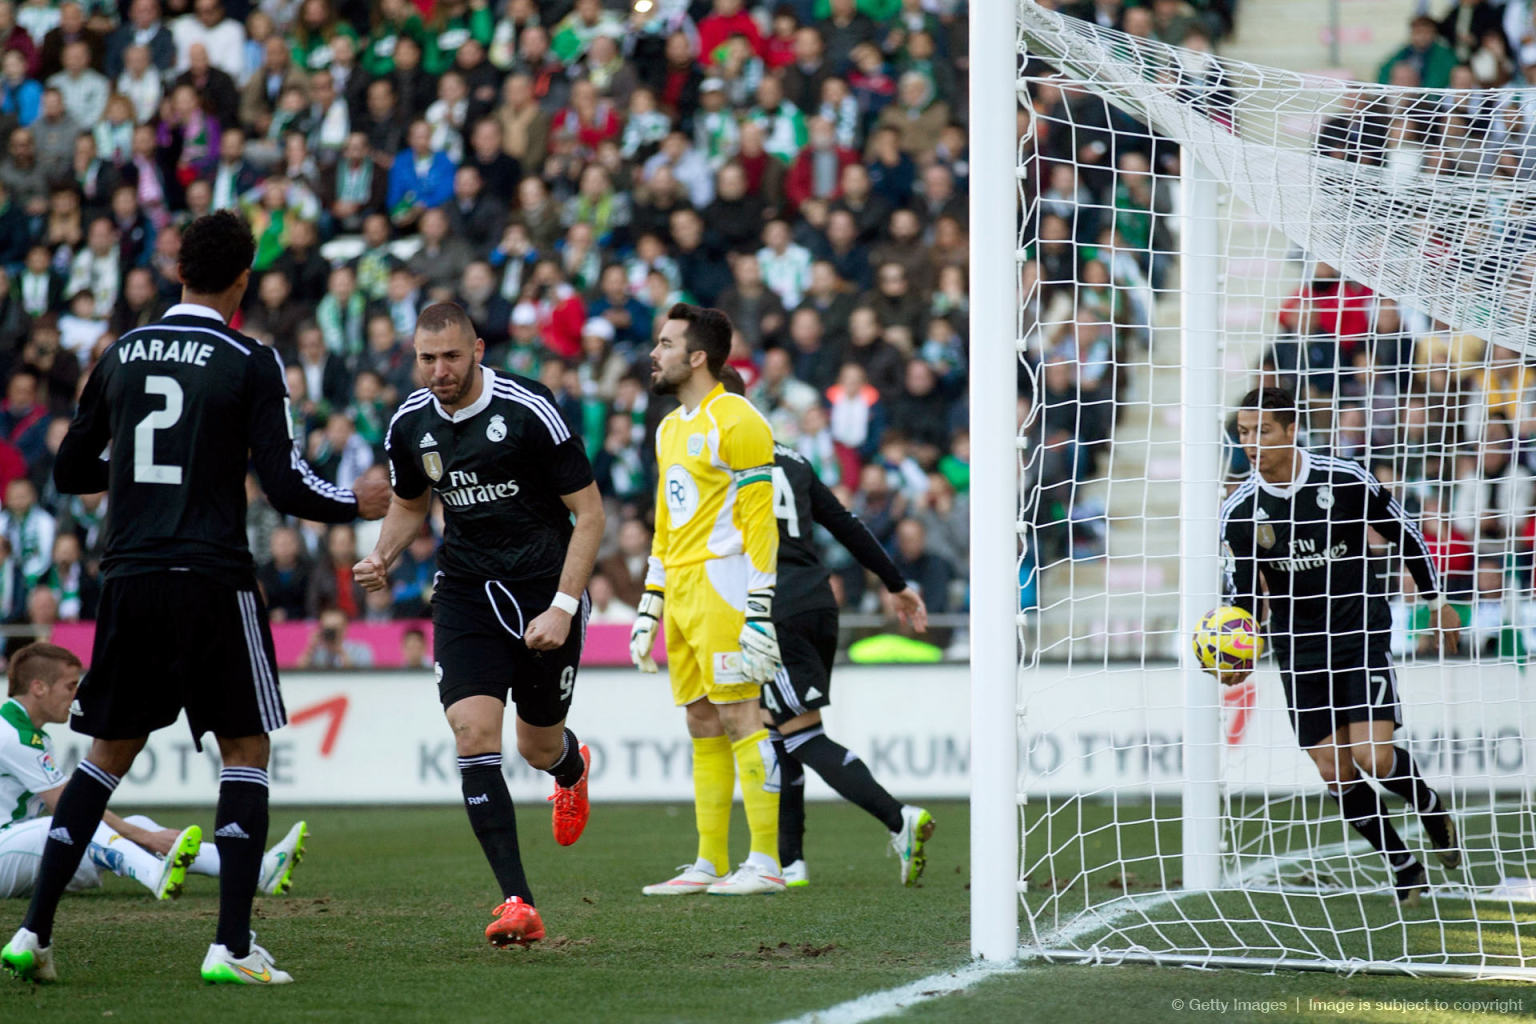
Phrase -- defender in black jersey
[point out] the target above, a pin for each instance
(169, 421)
(1301, 524)
(509, 612)
(805, 617)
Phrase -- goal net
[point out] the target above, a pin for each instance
(1192, 227)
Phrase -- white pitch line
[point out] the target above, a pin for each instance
(893, 1000)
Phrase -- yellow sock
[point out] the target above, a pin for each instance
(714, 782)
(754, 758)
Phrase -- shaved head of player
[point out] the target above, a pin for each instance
(522, 520)
(448, 355)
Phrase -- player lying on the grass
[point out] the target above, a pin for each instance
(1301, 523)
(714, 557)
(43, 679)
(805, 617)
(522, 523)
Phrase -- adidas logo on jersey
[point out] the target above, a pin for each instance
(232, 831)
(427, 440)
(61, 834)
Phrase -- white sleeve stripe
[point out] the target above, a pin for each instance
(538, 403)
(416, 400)
(541, 407)
(1394, 507)
(316, 483)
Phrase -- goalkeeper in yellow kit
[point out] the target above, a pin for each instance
(713, 568)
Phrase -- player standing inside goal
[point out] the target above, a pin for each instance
(715, 558)
(805, 618)
(186, 404)
(513, 577)
(1301, 521)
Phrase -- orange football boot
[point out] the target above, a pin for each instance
(517, 924)
(571, 806)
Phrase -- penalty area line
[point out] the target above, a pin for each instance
(894, 1000)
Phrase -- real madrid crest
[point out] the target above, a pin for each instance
(432, 462)
(1265, 534)
(695, 444)
(496, 430)
(1325, 497)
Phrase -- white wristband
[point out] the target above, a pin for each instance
(565, 602)
(1438, 603)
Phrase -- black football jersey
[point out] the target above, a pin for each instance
(1310, 542)
(170, 419)
(800, 502)
(500, 466)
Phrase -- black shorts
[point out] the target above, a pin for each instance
(478, 648)
(808, 646)
(1358, 688)
(173, 640)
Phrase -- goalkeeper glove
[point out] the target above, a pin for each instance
(759, 641)
(642, 635)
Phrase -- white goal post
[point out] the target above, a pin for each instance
(1180, 227)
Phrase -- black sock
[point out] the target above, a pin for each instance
(844, 772)
(489, 806)
(791, 804)
(1407, 783)
(240, 831)
(567, 771)
(1363, 810)
(75, 818)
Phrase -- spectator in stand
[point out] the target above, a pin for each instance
(419, 177)
(818, 169)
(929, 574)
(757, 313)
(1426, 53)
(329, 648)
(856, 415)
(283, 576)
(780, 396)
(607, 609)
(29, 528)
(222, 38)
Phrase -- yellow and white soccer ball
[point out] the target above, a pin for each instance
(1227, 640)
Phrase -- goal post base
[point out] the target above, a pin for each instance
(1114, 957)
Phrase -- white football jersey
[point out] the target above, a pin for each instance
(27, 765)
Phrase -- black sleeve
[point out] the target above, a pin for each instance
(1239, 566)
(405, 476)
(1390, 520)
(81, 466)
(291, 485)
(850, 531)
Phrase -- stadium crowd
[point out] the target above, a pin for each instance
(565, 169)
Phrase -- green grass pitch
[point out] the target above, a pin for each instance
(384, 924)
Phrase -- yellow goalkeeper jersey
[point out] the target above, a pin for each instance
(715, 494)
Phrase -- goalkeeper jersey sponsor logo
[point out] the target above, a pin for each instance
(682, 493)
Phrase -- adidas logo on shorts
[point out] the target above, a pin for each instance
(61, 834)
(231, 831)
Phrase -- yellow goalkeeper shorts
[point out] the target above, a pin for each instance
(704, 631)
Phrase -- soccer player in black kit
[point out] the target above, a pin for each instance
(1300, 524)
(168, 423)
(509, 611)
(805, 618)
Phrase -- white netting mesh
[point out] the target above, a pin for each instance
(1376, 252)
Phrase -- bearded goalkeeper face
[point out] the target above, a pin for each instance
(672, 365)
